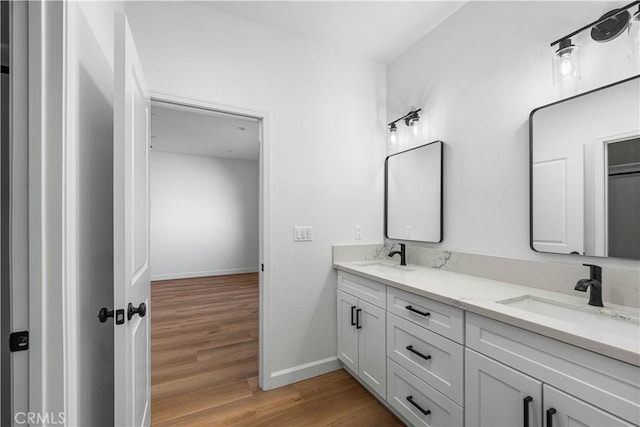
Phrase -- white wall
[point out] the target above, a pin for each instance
(325, 129)
(477, 77)
(204, 215)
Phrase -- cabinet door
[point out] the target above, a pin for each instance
(562, 410)
(497, 396)
(347, 332)
(372, 347)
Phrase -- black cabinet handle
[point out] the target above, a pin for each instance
(550, 413)
(525, 403)
(421, 313)
(416, 352)
(353, 311)
(358, 325)
(141, 310)
(418, 407)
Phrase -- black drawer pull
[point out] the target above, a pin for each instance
(421, 313)
(418, 407)
(358, 325)
(525, 403)
(416, 352)
(353, 311)
(550, 413)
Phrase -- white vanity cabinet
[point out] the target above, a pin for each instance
(497, 395)
(568, 385)
(361, 330)
(438, 365)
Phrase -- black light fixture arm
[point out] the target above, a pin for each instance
(410, 113)
(597, 22)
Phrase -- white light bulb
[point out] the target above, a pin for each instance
(414, 127)
(566, 64)
(393, 138)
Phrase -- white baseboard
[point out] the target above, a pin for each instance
(190, 274)
(302, 372)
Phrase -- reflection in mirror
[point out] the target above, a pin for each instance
(413, 194)
(585, 173)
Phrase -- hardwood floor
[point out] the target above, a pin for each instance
(204, 365)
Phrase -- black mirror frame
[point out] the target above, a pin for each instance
(531, 157)
(386, 192)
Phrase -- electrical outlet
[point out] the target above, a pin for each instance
(302, 233)
(358, 232)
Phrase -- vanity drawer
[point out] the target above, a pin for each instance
(609, 384)
(401, 385)
(365, 289)
(442, 319)
(440, 362)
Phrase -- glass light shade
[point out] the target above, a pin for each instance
(566, 64)
(413, 124)
(393, 137)
(634, 34)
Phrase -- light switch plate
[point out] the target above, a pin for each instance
(302, 233)
(358, 232)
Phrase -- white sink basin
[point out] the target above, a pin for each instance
(606, 320)
(383, 267)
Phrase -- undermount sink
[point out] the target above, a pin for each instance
(383, 267)
(609, 321)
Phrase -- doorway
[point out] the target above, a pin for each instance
(623, 198)
(205, 192)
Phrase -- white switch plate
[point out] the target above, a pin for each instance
(358, 232)
(302, 233)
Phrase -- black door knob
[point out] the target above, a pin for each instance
(141, 310)
(104, 314)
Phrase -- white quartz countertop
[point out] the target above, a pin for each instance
(481, 296)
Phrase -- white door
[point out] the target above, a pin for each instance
(131, 234)
(347, 332)
(372, 361)
(558, 200)
(498, 396)
(562, 410)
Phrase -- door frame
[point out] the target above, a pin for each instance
(600, 176)
(48, 382)
(264, 227)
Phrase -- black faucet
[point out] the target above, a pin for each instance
(403, 254)
(594, 282)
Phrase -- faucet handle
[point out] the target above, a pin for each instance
(594, 270)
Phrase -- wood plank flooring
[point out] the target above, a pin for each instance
(204, 365)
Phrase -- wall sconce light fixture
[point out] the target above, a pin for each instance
(566, 60)
(411, 119)
(393, 133)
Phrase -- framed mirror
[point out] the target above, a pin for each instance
(585, 173)
(413, 194)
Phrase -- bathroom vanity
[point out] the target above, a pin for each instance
(447, 349)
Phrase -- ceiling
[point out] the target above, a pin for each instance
(379, 30)
(186, 130)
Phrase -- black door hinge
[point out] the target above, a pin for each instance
(19, 341)
(262, 267)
